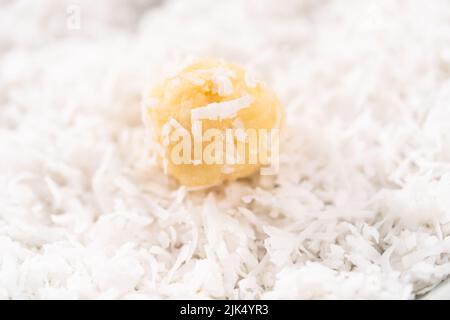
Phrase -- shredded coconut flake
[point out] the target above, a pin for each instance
(221, 110)
(250, 80)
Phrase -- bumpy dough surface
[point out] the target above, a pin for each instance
(198, 85)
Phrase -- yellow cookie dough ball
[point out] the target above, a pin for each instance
(208, 123)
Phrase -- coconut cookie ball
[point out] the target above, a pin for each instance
(212, 122)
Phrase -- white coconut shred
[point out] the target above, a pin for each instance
(221, 110)
(359, 208)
